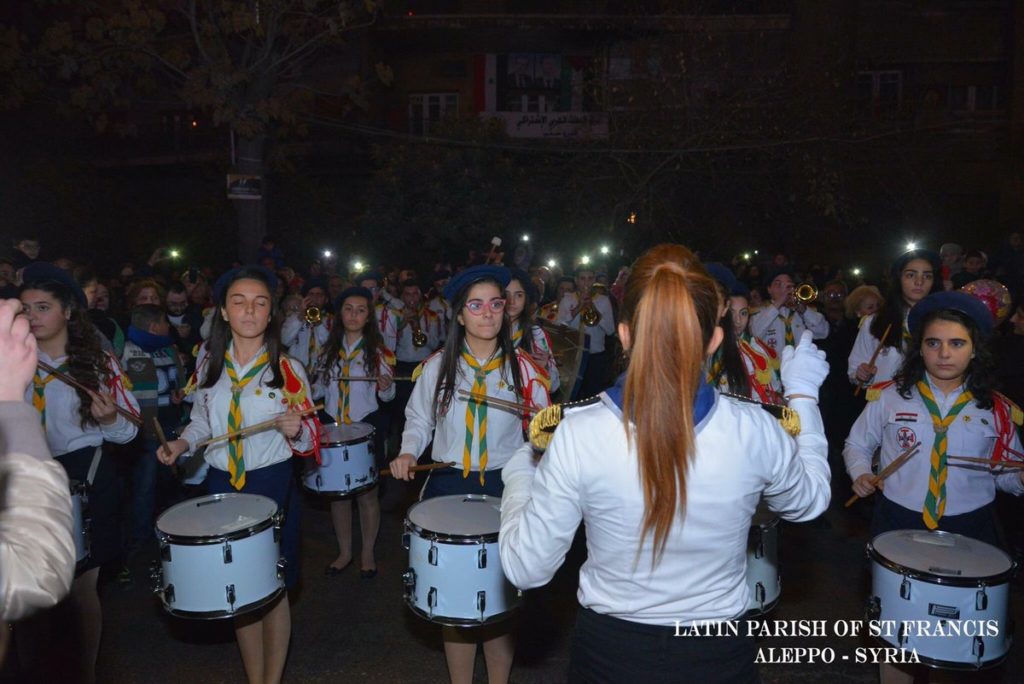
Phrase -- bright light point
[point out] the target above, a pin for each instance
(911, 246)
(175, 253)
(755, 251)
(585, 260)
(195, 124)
(327, 254)
(632, 217)
(526, 237)
(357, 266)
(605, 249)
(552, 263)
(746, 255)
(856, 271)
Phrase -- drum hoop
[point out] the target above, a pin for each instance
(449, 538)
(461, 622)
(931, 578)
(209, 539)
(347, 442)
(220, 614)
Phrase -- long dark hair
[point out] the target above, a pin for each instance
(526, 318)
(980, 376)
(87, 363)
(220, 334)
(451, 353)
(894, 310)
(733, 368)
(372, 341)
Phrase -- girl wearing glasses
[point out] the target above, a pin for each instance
(521, 303)
(478, 357)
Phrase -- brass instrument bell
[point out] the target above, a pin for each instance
(313, 315)
(806, 293)
(590, 316)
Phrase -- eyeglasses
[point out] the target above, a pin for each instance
(476, 306)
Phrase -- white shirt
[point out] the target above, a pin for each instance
(64, 430)
(542, 342)
(362, 394)
(296, 334)
(889, 358)
(430, 324)
(589, 473)
(595, 333)
(387, 319)
(895, 423)
(767, 325)
(259, 402)
(504, 427)
(442, 308)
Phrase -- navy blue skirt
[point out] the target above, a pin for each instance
(447, 481)
(274, 481)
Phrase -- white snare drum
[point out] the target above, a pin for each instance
(219, 555)
(347, 464)
(79, 504)
(929, 584)
(763, 562)
(455, 576)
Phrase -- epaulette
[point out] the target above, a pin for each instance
(293, 389)
(388, 356)
(539, 373)
(1016, 414)
(787, 417)
(418, 371)
(875, 391)
(542, 427)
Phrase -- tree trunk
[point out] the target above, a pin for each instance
(252, 213)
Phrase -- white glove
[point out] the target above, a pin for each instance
(804, 368)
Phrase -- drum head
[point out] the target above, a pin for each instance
(331, 435)
(216, 515)
(942, 555)
(458, 515)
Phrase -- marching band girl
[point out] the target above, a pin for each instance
(666, 474)
(478, 357)
(245, 379)
(521, 302)
(77, 422)
(913, 276)
(355, 349)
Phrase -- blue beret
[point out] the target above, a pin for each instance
(954, 300)
(903, 259)
(474, 274)
(353, 292)
(315, 281)
(369, 275)
(220, 288)
(40, 271)
(725, 276)
(524, 279)
(776, 272)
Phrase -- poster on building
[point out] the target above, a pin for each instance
(244, 187)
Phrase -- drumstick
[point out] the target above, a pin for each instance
(254, 428)
(67, 379)
(888, 470)
(500, 403)
(988, 461)
(367, 378)
(163, 441)
(421, 468)
(874, 357)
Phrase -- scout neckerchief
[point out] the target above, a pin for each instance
(788, 321)
(39, 391)
(344, 386)
(236, 464)
(517, 335)
(716, 366)
(935, 502)
(476, 409)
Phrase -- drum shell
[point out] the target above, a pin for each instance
(80, 532)
(345, 468)
(902, 594)
(199, 574)
(451, 571)
(763, 580)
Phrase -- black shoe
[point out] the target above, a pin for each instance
(368, 574)
(331, 570)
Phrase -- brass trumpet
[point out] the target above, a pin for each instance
(806, 293)
(590, 316)
(419, 338)
(313, 315)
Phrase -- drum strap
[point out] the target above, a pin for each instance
(935, 501)
(94, 465)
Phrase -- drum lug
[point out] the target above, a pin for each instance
(905, 589)
(168, 594)
(481, 558)
(279, 524)
(281, 565)
(165, 552)
(229, 593)
(226, 552)
(344, 453)
(409, 580)
(405, 540)
(319, 482)
(759, 594)
(978, 649)
(348, 480)
(981, 600)
(901, 636)
(431, 600)
(481, 603)
(759, 549)
(874, 608)
(432, 553)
